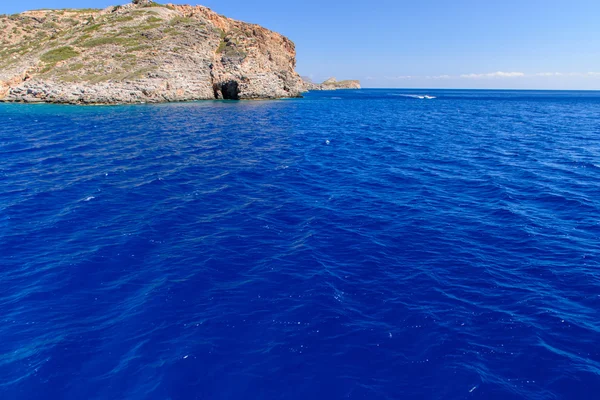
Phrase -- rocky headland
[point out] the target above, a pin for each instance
(333, 84)
(142, 52)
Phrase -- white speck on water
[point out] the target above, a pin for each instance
(327, 142)
(473, 389)
(390, 335)
(184, 357)
(89, 198)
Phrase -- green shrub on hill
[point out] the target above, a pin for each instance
(57, 55)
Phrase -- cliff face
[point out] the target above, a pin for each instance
(141, 52)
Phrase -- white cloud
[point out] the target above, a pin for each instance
(549, 74)
(436, 77)
(559, 74)
(492, 75)
(401, 77)
(569, 74)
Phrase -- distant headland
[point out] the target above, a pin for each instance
(333, 84)
(144, 52)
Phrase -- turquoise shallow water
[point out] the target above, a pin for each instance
(364, 244)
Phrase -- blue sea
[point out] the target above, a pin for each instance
(370, 244)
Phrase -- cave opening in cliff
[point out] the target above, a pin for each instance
(229, 90)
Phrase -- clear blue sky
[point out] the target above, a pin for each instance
(552, 44)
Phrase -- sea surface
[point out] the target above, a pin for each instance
(371, 244)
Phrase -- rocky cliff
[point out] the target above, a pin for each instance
(141, 52)
(333, 84)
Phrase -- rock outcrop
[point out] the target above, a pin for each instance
(142, 52)
(333, 84)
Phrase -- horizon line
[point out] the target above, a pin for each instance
(498, 89)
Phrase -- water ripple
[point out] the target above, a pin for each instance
(370, 245)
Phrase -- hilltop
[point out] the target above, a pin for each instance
(334, 84)
(142, 52)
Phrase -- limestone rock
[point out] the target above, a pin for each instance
(333, 84)
(142, 52)
(4, 89)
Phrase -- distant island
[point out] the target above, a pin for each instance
(333, 84)
(144, 52)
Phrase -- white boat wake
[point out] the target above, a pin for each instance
(417, 96)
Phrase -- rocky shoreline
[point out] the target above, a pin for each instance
(142, 52)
